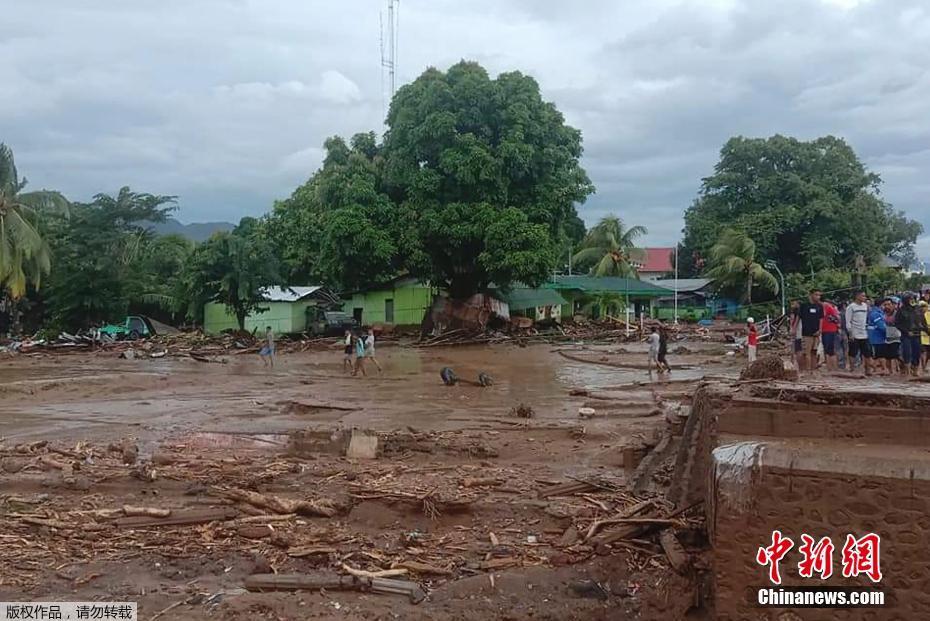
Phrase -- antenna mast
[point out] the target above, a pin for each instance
(389, 46)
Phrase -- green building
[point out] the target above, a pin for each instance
(400, 302)
(287, 311)
(537, 304)
(598, 296)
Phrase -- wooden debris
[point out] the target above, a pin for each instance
(385, 573)
(674, 552)
(310, 551)
(180, 518)
(146, 511)
(626, 514)
(313, 508)
(333, 582)
(494, 539)
(424, 568)
(566, 489)
(47, 523)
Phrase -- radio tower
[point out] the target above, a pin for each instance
(389, 48)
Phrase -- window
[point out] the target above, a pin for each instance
(389, 310)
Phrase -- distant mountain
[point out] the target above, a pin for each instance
(196, 231)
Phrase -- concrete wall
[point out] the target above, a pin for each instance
(283, 317)
(823, 494)
(410, 304)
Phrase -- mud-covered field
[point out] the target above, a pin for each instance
(453, 489)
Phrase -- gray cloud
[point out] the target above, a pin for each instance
(226, 103)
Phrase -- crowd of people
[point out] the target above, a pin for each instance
(885, 336)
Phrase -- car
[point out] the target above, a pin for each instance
(134, 328)
(322, 322)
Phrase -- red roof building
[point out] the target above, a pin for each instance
(655, 262)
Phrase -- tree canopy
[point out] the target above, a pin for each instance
(734, 265)
(97, 251)
(808, 205)
(475, 183)
(24, 253)
(231, 268)
(607, 248)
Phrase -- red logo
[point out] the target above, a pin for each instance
(773, 554)
(816, 557)
(861, 556)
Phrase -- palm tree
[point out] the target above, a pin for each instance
(733, 263)
(608, 247)
(24, 255)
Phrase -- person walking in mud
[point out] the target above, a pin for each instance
(663, 351)
(266, 353)
(347, 352)
(370, 349)
(654, 340)
(359, 345)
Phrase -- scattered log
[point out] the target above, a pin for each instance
(276, 504)
(180, 518)
(47, 523)
(51, 462)
(674, 551)
(146, 511)
(254, 532)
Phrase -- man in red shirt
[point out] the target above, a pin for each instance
(829, 327)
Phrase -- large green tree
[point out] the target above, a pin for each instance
(608, 248)
(467, 157)
(24, 253)
(808, 205)
(733, 264)
(231, 268)
(339, 228)
(96, 253)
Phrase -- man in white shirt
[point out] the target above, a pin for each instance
(857, 316)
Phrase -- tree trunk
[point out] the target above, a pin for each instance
(240, 317)
(749, 291)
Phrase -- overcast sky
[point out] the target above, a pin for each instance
(226, 103)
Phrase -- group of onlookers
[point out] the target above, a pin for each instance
(882, 336)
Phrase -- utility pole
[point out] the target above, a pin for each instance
(676, 284)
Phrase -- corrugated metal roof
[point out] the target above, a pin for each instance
(288, 294)
(608, 284)
(686, 285)
(526, 297)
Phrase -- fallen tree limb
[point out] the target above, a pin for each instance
(385, 573)
(179, 518)
(276, 504)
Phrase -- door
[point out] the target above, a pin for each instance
(357, 315)
(389, 310)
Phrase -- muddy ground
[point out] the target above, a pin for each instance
(457, 495)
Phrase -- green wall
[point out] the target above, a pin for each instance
(410, 303)
(283, 317)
